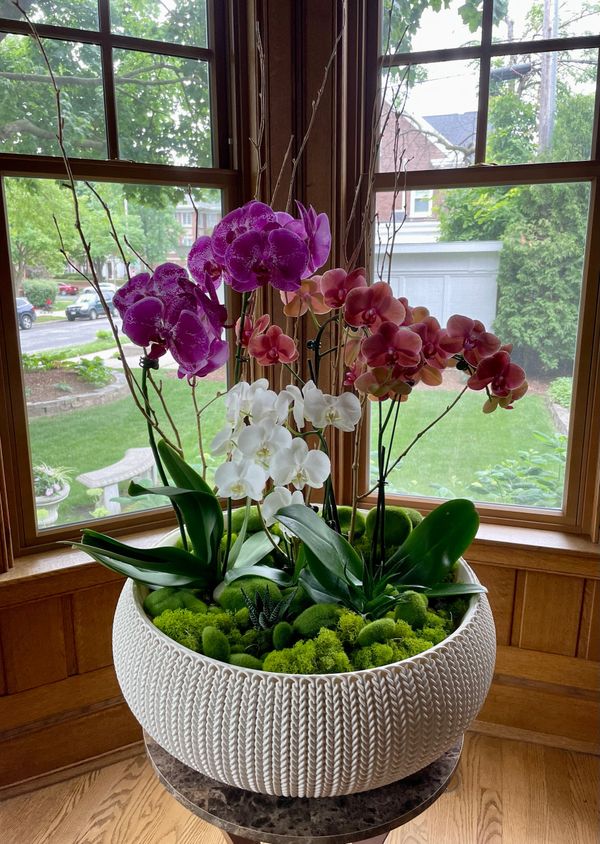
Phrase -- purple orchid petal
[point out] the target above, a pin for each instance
(135, 289)
(188, 341)
(252, 216)
(216, 358)
(201, 263)
(287, 256)
(318, 237)
(143, 322)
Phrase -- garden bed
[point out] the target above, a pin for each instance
(51, 392)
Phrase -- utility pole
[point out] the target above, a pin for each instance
(548, 78)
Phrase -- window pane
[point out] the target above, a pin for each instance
(163, 109)
(541, 107)
(81, 417)
(27, 101)
(429, 116)
(511, 257)
(525, 20)
(178, 21)
(410, 27)
(82, 14)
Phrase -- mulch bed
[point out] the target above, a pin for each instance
(49, 384)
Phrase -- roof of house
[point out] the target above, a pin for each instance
(459, 129)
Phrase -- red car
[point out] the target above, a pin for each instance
(65, 289)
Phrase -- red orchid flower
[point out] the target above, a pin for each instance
(499, 373)
(370, 306)
(392, 345)
(476, 341)
(273, 347)
(250, 328)
(337, 283)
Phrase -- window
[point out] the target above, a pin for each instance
(512, 244)
(146, 105)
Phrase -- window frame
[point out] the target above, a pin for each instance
(226, 24)
(580, 512)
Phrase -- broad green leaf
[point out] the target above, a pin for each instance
(143, 574)
(315, 590)
(237, 545)
(433, 546)
(447, 590)
(276, 575)
(255, 548)
(187, 478)
(169, 555)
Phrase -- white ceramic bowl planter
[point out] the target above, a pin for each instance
(304, 736)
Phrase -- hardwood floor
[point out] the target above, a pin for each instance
(505, 792)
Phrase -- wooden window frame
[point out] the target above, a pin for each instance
(580, 514)
(226, 30)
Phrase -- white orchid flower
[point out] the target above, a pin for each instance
(262, 441)
(225, 440)
(343, 412)
(238, 400)
(300, 466)
(275, 500)
(240, 479)
(298, 397)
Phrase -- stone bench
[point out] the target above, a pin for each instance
(137, 464)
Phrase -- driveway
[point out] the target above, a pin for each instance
(46, 336)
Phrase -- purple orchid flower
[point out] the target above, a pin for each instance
(314, 229)
(253, 216)
(201, 263)
(276, 257)
(168, 312)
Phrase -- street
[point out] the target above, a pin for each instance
(45, 336)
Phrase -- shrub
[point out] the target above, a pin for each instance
(39, 292)
(93, 371)
(560, 391)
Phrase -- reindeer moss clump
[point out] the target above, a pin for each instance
(322, 639)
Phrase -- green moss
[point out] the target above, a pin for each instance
(215, 644)
(283, 635)
(373, 655)
(231, 598)
(412, 608)
(311, 620)
(237, 649)
(323, 655)
(331, 658)
(377, 631)
(414, 645)
(435, 635)
(397, 525)
(254, 520)
(403, 629)
(181, 626)
(345, 517)
(349, 626)
(415, 517)
(172, 598)
(242, 618)
(245, 661)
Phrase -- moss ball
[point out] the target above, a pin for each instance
(245, 661)
(308, 624)
(415, 517)
(377, 631)
(397, 525)
(412, 608)
(254, 521)
(283, 635)
(215, 644)
(345, 518)
(230, 597)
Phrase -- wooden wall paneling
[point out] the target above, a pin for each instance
(588, 646)
(66, 743)
(93, 611)
(2, 671)
(33, 643)
(547, 612)
(500, 583)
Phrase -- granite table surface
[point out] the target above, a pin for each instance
(323, 820)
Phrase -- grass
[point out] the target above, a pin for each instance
(91, 438)
(98, 345)
(445, 460)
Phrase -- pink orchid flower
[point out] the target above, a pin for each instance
(337, 283)
(438, 345)
(250, 328)
(370, 306)
(499, 373)
(416, 314)
(273, 347)
(477, 342)
(392, 345)
(505, 402)
(308, 297)
(381, 383)
(354, 372)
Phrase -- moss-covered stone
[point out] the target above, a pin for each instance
(308, 624)
(283, 635)
(396, 528)
(215, 644)
(377, 631)
(230, 597)
(245, 661)
(412, 608)
(254, 520)
(345, 518)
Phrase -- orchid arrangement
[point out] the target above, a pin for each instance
(274, 444)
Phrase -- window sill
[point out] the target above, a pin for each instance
(61, 571)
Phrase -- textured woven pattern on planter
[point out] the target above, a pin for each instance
(312, 736)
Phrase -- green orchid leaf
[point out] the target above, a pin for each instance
(276, 575)
(187, 478)
(315, 590)
(170, 555)
(433, 546)
(448, 590)
(237, 545)
(198, 511)
(255, 548)
(149, 573)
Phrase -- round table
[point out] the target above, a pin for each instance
(245, 817)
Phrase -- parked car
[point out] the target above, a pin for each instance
(26, 314)
(65, 289)
(88, 306)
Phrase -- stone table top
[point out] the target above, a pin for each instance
(288, 820)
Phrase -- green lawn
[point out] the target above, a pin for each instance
(91, 438)
(445, 460)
